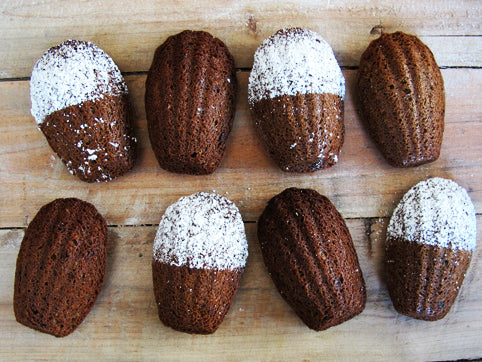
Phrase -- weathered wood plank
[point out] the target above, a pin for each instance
(361, 185)
(132, 31)
(124, 324)
(259, 326)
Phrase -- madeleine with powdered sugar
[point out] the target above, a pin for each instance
(430, 240)
(80, 103)
(199, 256)
(296, 92)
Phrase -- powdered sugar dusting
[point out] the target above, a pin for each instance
(294, 61)
(435, 212)
(70, 74)
(203, 231)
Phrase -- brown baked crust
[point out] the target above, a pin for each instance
(424, 280)
(302, 133)
(94, 139)
(193, 300)
(190, 102)
(310, 256)
(60, 267)
(402, 99)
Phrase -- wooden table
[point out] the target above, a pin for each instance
(260, 326)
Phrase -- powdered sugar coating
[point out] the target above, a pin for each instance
(435, 212)
(202, 231)
(294, 61)
(70, 74)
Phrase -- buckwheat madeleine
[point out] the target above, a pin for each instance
(296, 91)
(430, 240)
(60, 267)
(190, 102)
(402, 99)
(199, 255)
(80, 102)
(310, 256)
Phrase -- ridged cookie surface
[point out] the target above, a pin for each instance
(402, 99)
(190, 102)
(310, 256)
(199, 256)
(60, 267)
(80, 102)
(296, 91)
(430, 240)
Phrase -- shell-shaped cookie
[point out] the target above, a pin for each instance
(190, 102)
(430, 240)
(60, 267)
(402, 99)
(199, 256)
(80, 102)
(310, 256)
(296, 91)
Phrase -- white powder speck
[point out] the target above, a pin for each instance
(435, 212)
(202, 231)
(92, 157)
(70, 74)
(294, 61)
(293, 145)
(79, 144)
(115, 144)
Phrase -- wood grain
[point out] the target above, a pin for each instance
(362, 184)
(131, 32)
(123, 324)
(260, 324)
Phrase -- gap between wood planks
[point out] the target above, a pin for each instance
(157, 225)
(144, 72)
(368, 223)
